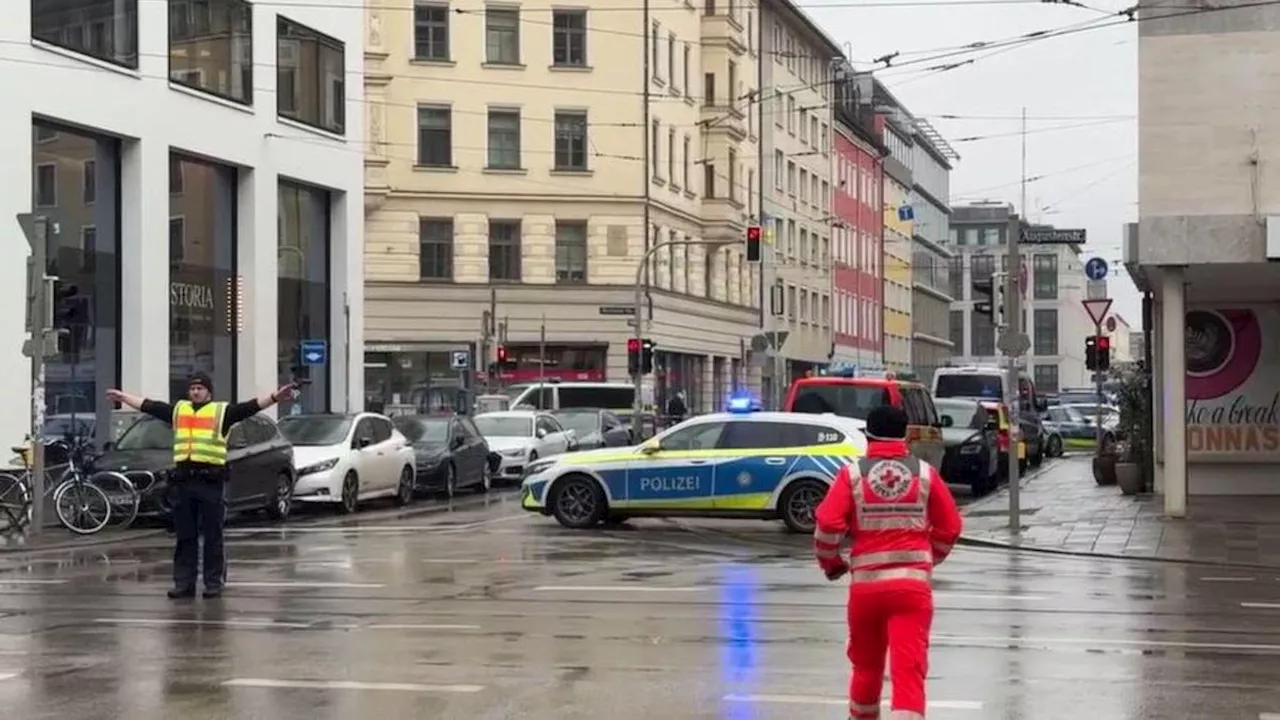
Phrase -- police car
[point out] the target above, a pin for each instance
(741, 463)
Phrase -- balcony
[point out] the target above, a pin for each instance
(719, 29)
(722, 119)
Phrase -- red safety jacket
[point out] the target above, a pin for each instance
(897, 511)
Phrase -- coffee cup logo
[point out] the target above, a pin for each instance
(1210, 342)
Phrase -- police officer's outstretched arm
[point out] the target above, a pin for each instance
(945, 523)
(833, 522)
(240, 411)
(157, 409)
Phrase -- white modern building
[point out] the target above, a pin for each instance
(1054, 316)
(199, 170)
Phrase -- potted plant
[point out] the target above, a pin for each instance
(1135, 428)
(1104, 464)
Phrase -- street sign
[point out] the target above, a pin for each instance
(617, 310)
(313, 352)
(1013, 344)
(1096, 269)
(460, 359)
(1111, 324)
(1095, 290)
(1051, 236)
(1097, 309)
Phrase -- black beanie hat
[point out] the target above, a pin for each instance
(887, 423)
(201, 379)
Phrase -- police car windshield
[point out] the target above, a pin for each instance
(967, 385)
(497, 426)
(315, 430)
(147, 433)
(847, 399)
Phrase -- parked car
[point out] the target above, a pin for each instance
(259, 460)
(522, 436)
(987, 383)
(450, 453)
(1079, 430)
(347, 459)
(855, 397)
(971, 434)
(595, 428)
(1003, 440)
(1053, 442)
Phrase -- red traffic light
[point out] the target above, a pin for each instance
(1104, 342)
(502, 353)
(633, 345)
(753, 233)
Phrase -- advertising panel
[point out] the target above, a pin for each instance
(1233, 383)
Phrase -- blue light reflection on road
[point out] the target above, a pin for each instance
(739, 658)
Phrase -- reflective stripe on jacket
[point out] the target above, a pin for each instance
(197, 434)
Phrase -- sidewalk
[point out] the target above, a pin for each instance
(1064, 510)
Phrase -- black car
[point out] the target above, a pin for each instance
(595, 428)
(259, 460)
(971, 436)
(451, 453)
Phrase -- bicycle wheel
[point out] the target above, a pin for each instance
(82, 508)
(121, 493)
(15, 504)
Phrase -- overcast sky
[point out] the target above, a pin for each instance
(1084, 84)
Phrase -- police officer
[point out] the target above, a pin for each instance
(901, 521)
(198, 483)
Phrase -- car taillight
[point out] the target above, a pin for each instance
(1004, 441)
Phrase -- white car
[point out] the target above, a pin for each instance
(347, 459)
(522, 436)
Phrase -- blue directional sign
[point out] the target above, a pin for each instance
(313, 352)
(906, 213)
(1096, 269)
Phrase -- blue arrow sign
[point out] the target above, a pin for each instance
(1096, 269)
(313, 352)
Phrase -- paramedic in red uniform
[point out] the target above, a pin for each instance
(901, 521)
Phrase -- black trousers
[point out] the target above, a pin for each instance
(199, 511)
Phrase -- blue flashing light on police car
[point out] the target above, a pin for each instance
(743, 404)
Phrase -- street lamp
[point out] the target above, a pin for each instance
(712, 246)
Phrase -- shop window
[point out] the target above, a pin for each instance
(84, 252)
(310, 77)
(410, 382)
(302, 298)
(203, 287)
(102, 29)
(211, 47)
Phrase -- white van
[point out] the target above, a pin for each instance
(553, 395)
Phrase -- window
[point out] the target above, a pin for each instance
(504, 139)
(982, 336)
(957, 332)
(1045, 331)
(569, 38)
(684, 70)
(1046, 378)
(702, 436)
(671, 60)
(709, 180)
(956, 275)
(103, 29)
(571, 252)
(671, 156)
(435, 136)
(311, 77)
(709, 88)
(211, 47)
(502, 36)
(779, 168)
(688, 143)
(46, 185)
(435, 251)
(302, 295)
(1045, 270)
(990, 236)
(571, 140)
(732, 90)
(431, 32)
(732, 180)
(982, 267)
(655, 152)
(504, 250)
(654, 56)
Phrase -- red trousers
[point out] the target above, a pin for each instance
(893, 616)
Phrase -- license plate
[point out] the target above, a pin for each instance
(120, 498)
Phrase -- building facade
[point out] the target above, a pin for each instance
(857, 233)
(932, 158)
(896, 133)
(1206, 245)
(137, 125)
(515, 185)
(796, 121)
(1053, 314)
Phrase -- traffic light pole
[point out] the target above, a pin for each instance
(1013, 389)
(637, 379)
(39, 307)
(1097, 395)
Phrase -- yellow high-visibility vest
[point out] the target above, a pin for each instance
(197, 434)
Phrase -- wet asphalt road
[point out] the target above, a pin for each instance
(477, 610)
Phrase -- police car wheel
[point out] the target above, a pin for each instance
(579, 503)
(798, 504)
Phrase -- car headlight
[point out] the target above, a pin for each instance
(515, 452)
(540, 466)
(318, 467)
(970, 449)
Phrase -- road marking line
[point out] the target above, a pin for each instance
(816, 700)
(31, 581)
(212, 623)
(1227, 579)
(961, 639)
(8, 676)
(303, 584)
(1269, 716)
(423, 627)
(973, 596)
(613, 588)
(349, 685)
(1260, 605)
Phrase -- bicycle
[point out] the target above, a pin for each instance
(82, 504)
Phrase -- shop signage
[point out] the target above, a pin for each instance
(1233, 382)
(190, 295)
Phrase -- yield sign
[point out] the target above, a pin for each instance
(1097, 309)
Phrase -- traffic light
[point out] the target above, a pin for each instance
(754, 238)
(646, 356)
(502, 355)
(70, 314)
(989, 299)
(1097, 353)
(639, 356)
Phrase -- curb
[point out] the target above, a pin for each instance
(1003, 493)
(968, 541)
(64, 546)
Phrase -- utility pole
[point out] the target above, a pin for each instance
(42, 344)
(1017, 346)
(542, 351)
(488, 320)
